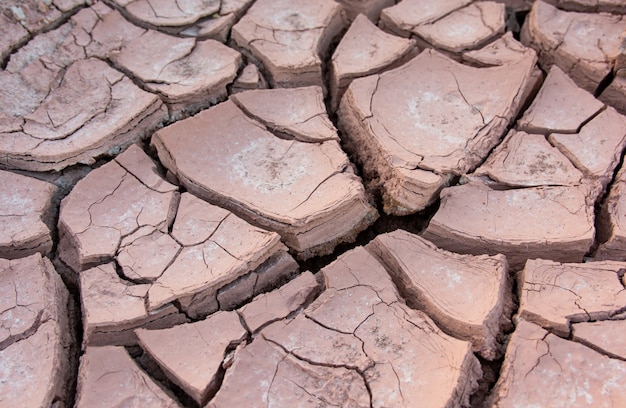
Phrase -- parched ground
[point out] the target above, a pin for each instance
(312, 203)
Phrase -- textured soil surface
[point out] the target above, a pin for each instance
(312, 203)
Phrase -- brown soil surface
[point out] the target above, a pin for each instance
(312, 203)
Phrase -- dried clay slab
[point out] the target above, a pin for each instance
(364, 50)
(555, 295)
(541, 369)
(187, 73)
(405, 16)
(529, 160)
(467, 296)
(307, 192)
(559, 107)
(476, 219)
(465, 29)
(412, 136)
(111, 203)
(195, 362)
(34, 334)
(583, 45)
(290, 38)
(40, 131)
(25, 213)
(20, 20)
(359, 324)
(108, 377)
(192, 18)
(279, 303)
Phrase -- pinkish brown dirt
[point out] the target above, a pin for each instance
(302, 203)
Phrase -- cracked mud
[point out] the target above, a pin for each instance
(288, 203)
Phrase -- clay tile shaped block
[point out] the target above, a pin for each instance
(468, 296)
(250, 78)
(42, 132)
(364, 50)
(111, 203)
(583, 45)
(554, 295)
(234, 249)
(25, 213)
(195, 362)
(298, 113)
(279, 303)
(290, 38)
(264, 372)
(109, 377)
(464, 29)
(559, 107)
(476, 219)
(113, 308)
(541, 369)
(597, 148)
(361, 300)
(446, 126)
(405, 16)
(187, 73)
(195, 18)
(529, 160)
(20, 20)
(612, 226)
(307, 192)
(504, 50)
(34, 334)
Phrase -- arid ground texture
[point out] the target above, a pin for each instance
(312, 203)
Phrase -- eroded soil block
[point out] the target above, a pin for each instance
(559, 107)
(187, 73)
(405, 16)
(558, 222)
(34, 334)
(113, 307)
(195, 18)
(20, 20)
(40, 132)
(290, 38)
(123, 212)
(583, 45)
(417, 126)
(364, 50)
(554, 295)
(464, 29)
(110, 204)
(264, 372)
(541, 369)
(357, 334)
(194, 363)
(467, 296)
(25, 213)
(613, 221)
(109, 377)
(529, 160)
(279, 303)
(307, 192)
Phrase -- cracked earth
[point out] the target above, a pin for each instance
(298, 203)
